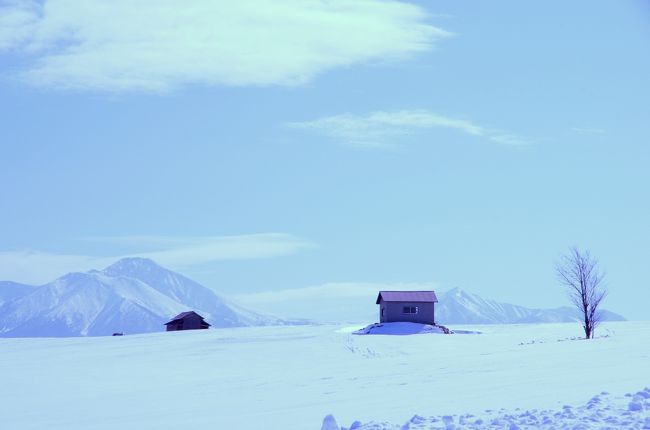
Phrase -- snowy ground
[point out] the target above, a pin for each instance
(292, 377)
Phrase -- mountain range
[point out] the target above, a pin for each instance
(133, 295)
(460, 307)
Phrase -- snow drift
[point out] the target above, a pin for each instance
(601, 411)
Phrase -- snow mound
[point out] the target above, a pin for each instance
(401, 329)
(329, 423)
(601, 411)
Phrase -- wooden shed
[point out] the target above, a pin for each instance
(407, 306)
(187, 321)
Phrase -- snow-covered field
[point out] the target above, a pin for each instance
(291, 377)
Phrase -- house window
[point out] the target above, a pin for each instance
(410, 310)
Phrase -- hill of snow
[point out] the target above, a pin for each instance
(460, 307)
(291, 377)
(134, 295)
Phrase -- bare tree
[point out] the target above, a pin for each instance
(579, 272)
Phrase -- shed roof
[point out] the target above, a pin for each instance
(407, 296)
(183, 315)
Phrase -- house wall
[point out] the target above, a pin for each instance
(392, 312)
(191, 322)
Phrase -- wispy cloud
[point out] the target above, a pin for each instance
(37, 267)
(588, 130)
(157, 46)
(333, 291)
(17, 20)
(342, 301)
(381, 129)
(198, 250)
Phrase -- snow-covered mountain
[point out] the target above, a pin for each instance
(134, 295)
(13, 290)
(460, 307)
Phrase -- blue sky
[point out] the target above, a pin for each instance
(316, 144)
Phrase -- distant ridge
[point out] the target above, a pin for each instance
(460, 307)
(13, 290)
(133, 295)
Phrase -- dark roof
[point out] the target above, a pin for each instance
(407, 296)
(183, 315)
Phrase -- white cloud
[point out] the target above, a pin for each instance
(380, 129)
(158, 45)
(35, 267)
(17, 20)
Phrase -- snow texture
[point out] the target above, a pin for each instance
(602, 411)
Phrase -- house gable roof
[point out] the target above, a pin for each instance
(407, 296)
(183, 315)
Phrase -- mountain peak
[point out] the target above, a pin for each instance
(76, 276)
(130, 264)
(457, 292)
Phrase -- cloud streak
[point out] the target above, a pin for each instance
(329, 291)
(588, 130)
(36, 267)
(340, 301)
(157, 46)
(381, 129)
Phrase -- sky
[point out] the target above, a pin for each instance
(319, 147)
